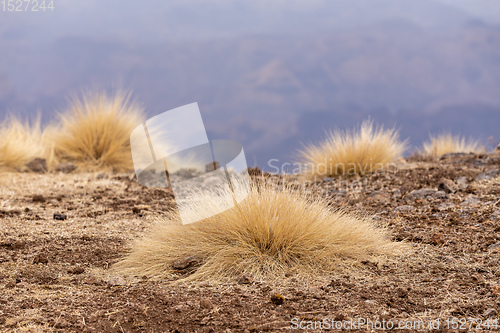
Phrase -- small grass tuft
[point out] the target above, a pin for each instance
(94, 133)
(269, 233)
(346, 153)
(21, 143)
(446, 143)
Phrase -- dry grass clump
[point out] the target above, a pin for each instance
(346, 153)
(269, 233)
(446, 143)
(95, 132)
(21, 143)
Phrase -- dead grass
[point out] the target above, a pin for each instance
(346, 153)
(21, 143)
(446, 143)
(94, 133)
(268, 234)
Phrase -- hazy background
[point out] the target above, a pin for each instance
(269, 74)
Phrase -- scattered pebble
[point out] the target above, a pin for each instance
(66, 167)
(205, 303)
(420, 194)
(40, 259)
(60, 217)
(277, 299)
(76, 270)
(38, 165)
(494, 247)
(116, 281)
(437, 239)
(38, 198)
(404, 209)
(487, 175)
(185, 263)
(447, 186)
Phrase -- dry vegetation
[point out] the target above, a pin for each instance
(360, 151)
(21, 143)
(447, 143)
(267, 235)
(95, 132)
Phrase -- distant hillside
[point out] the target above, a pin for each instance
(273, 80)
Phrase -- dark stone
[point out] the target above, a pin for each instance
(448, 186)
(38, 198)
(421, 194)
(185, 263)
(66, 167)
(60, 217)
(487, 175)
(38, 165)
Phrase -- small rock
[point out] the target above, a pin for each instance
(38, 198)
(487, 175)
(40, 259)
(117, 281)
(495, 215)
(401, 293)
(396, 194)
(277, 299)
(370, 302)
(38, 165)
(66, 167)
(205, 303)
(404, 209)
(420, 194)
(185, 263)
(437, 239)
(445, 206)
(136, 210)
(462, 182)
(494, 247)
(101, 176)
(471, 201)
(490, 313)
(440, 195)
(447, 186)
(245, 279)
(212, 166)
(60, 217)
(76, 270)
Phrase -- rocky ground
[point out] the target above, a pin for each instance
(61, 233)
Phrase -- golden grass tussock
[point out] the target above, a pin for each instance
(21, 143)
(269, 233)
(94, 133)
(446, 143)
(359, 151)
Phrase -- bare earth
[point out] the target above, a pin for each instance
(55, 274)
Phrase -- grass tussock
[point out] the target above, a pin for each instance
(21, 143)
(446, 143)
(94, 133)
(360, 151)
(268, 234)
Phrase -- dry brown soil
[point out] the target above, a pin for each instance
(55, 275)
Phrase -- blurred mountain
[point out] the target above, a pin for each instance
(270, 76)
